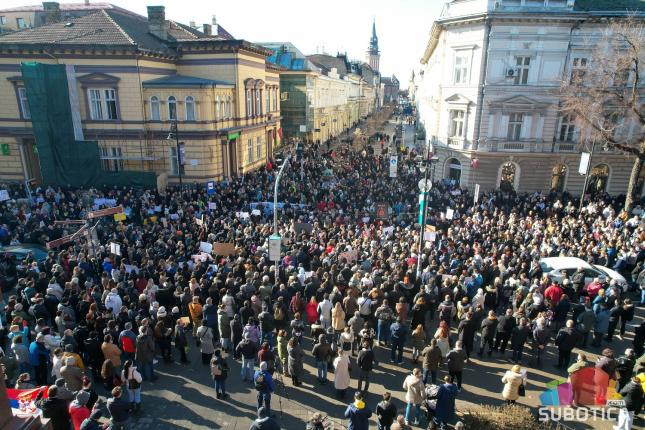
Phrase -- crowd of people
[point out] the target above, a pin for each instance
(346, 284)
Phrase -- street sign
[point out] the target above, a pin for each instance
(275, 242)
(394, 163)
(425, 185)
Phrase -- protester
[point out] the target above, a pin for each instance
(132, 380)
(365, 361)
(413, 384)
(514, 381)
(341, 374)
(358, 413)
(264, 421)
(219, 372)
(54, 408)
(385, 412)
(264, 386)
(119, 409)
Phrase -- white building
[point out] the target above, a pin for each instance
(488, 91)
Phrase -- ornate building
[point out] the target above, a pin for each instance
(488, 93)
(373, 53)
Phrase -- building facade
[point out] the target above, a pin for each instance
(390, 89)
(488, 94)
(131, 78)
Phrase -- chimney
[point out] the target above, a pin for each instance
(208, 30)
(157, 24)
(215, 30)
(191, 24)
(52, 12)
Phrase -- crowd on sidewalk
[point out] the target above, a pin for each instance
(347, 280)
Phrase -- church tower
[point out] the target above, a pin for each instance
(373, 54)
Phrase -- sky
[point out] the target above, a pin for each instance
(402, 26)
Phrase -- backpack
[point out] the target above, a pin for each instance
(260, 382)
(446, 312)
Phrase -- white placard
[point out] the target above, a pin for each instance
(429, 236)
(388, 230)
(206, 247)
(256, 212)
(394, 163)
(242, 215)
(476, 193)
(115, 248)
(584, 163)
(4, 195)
(275, 242)
(449, 213)
(212, 206)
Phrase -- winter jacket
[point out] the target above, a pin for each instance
(111, 352)
(205, 336)
(358, 414)
(456, 359)
(586, 320)
(489, 328)
(56, 410)
(432, 358)
(247, 349)
(365, 359)
(633, 395)
(567, 339)
(519, 336)
(386, 413)
(414, 389)
(145, 349)
(322, 350)
(73, 377)
(295, 360)
(512, 382)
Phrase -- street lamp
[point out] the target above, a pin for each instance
(275, 211)
(425, 186)
(180, 157)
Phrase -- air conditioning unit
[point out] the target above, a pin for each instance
(510, 73)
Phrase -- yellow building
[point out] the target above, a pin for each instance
(130, 78)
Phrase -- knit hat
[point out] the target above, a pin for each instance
(82, 397)
(161, 313)
(175, 310)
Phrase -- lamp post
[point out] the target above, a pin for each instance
(584, 187)
(275, 209)
(424, 187)
(174, 133)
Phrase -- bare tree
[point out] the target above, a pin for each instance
(603, 95)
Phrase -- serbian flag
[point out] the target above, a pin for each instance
(25, 399)
(474, 163)
(280, 132)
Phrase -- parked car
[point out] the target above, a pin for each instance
(554, 266)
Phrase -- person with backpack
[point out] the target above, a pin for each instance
(247, 349)
(280, 314)
(264, 386)
(447, 310)
(219, 372)
(322, 353)
(132, 379)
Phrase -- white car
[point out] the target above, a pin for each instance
(554, 266)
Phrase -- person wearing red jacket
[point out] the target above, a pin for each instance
(554, 293)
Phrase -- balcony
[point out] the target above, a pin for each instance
(522, 145)
(565, 146)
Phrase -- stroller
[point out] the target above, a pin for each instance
(431, 393)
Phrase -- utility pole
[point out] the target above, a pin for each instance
(275, 210)
(584, 187)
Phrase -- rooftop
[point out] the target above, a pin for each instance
(286, 55)
(64, 7)
(183, 81)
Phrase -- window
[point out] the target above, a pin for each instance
(515, 126)
(3, 20)
(190, 109)
(258, 102)
(103, 104)
(567, 128)
(522, 75)
(24, 105)
(217, 109)
(258, 148)
(172, 108)
(598, 177)
(457, 123)
(249, 103)
(578, 70)
(558, 176)
(155, 111)
(20, 23)
(112, 159)
(174, 161)
(275, 100)
(507, 177)
(229, 108)
(267, 103)
(249, 151)
(461, 69)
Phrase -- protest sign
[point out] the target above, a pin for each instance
(450, 213)
(119, 217)
(206, 247)
(223, 249)
(115, 248)
(212, 206)
(4, 195)
(350, 256)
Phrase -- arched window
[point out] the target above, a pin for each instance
(558, 177)
(453, 170)
(508, 176)
(155, 110)
(258, 102)
(598, 177)
(249, 103)
(172, 108)
(190, 109)
(217, 108)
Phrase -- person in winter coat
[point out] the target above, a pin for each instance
(633, 396)
(145, 354)
(566, 339)
(358, 413)
(283, 353)
(338, 318)
(181, 341)
(586, 321)
(294, 350)
(54, 408)
(205, 336)
(615, 312)
(322, 353)
(341, 374)
(311, 311)
(365, 361)
(264, 421)
(78, 410)
(626, 316)
(466, 333)
(219, 372)
(384, 317)
(512, 380)
(399, 334)
(72, 374)
(445, 409)
(541, 336)
(488, 330)
(605, 370)
(224, 325)
(413, 384)
(519, 335)
(505, 326)
(111, 351)
(456, 360)
(418, 342)
(601, 326)
(132, 382)
(432, 360)
(248, 350)
(236, 329)
(385, 412)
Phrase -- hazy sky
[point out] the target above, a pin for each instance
(402, 26)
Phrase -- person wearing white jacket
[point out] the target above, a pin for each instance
(132, 380)
(113, 301)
